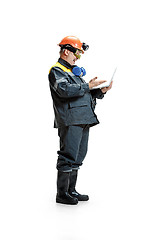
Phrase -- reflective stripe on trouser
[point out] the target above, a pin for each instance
(73, 147)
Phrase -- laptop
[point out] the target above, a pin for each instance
(106, 84)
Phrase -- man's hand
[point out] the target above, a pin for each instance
(105, 89)
(94, 83)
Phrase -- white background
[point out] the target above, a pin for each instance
(121, 170)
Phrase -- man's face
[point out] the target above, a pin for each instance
(71, 58)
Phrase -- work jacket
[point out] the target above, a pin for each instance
(73, 101)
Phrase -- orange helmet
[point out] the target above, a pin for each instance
(73, 41)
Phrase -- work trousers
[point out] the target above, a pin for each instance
(73, 147)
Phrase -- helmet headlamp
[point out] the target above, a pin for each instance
(85, 46)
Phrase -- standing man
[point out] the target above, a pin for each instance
(74, 103)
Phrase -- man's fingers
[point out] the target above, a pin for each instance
(94, 79)
(99, 82)
(94, 82)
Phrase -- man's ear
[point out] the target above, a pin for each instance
(66, 52)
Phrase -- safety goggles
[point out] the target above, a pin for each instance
(78, 53)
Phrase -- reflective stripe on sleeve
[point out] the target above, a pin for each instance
(57, 82)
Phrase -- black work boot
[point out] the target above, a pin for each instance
(72, 191)
(62, 189)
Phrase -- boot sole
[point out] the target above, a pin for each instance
(66, 202)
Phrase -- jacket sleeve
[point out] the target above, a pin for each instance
(60, 83)
(97, 93)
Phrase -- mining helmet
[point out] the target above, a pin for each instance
(73, 44)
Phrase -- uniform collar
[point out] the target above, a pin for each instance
(64, 63)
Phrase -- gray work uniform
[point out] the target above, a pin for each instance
(74, 105)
